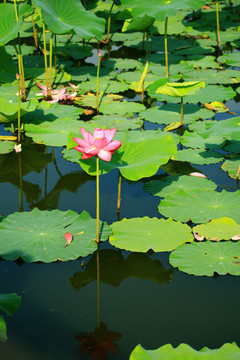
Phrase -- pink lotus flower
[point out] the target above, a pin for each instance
(68, 238)
(100, 143)
(56, 94)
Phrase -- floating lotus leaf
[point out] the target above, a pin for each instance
(232, 167)
(90, 99)
(132, 158)
(180, 89)
(211, 76)
(186, 352)
(170, 184)
(54, 133)
(112, 121)
(62, 17)
(6, 146)
(9, 28)
(40, 235)
(231, 59)
(212, 93)
(143, 234)
(167, 114)
(85, 73)
(198, 61)
(107, 86)
(75, 51)
(174, 167)
(223, 228)
(9, 104)
(201, 206)
(124, 107)
(199, 156)
(194, 140)
(175, 26)
(118, 64)
(160, 9)
(134, 77)
(232, 146)
(124, 268)
(206, 258)
(229, 128)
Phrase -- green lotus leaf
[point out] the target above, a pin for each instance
(125, 268)
(40, 235)
(223, 228)
(200, 206)
(167, 114)
(195, 140)
(6, 146)
(134, 77)
(107, 86)
(90, 99)
(89, 72)
(118, 64)
(212, 93)
(75, 51)
(54, 133)
(199, 156)
(112, 121)
(186, 352)
(3, 329)
(143, 234)
(198, 61)
(175, 26)
(132, 158)
(170, 184)
(206, 258)
(9, 28)
(180, 89)
(231, 59)
(160, 9)
(209, 94)
(9, 108)
(229, 128)
(232, 146)
(174, 167)
(9, 303)
(127, 108)
(211, 76)
(64, 17)
(138, 24)
(8, 69)
(232, 167)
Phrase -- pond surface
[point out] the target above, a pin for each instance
(140, 298)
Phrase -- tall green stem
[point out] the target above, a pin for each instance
(119, 192)
(98, 289)
(55, 51)
(19, 110)
(98, 70)
(147, 38)
(181, 111)
(20, 195)
(50, 65)
(97, 201)
(34, 33)
(165, 44)
(218, 28)
(45, 61)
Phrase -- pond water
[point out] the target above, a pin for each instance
(137, 298)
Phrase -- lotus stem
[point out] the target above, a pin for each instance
(166, 49)
(55, 51)
(45, 61)
(16, 12)
(19, 110)
(20, 196)
(97, 202)
(181, 111)
(98, 70)
(34, 33)
(238, 173)
(147, 37)
(98, 289)
(119, 192)
(218, 29)
(50, 66)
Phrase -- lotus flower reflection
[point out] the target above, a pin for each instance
(100, 143)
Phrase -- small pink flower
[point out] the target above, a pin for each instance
(68, 237)
(198, 174)
(100, 143)
(18, 148)
(56, 94)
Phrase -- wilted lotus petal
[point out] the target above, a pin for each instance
(197, 174)
(68, 237)
(236, 237)
(198, 237)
